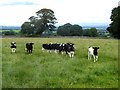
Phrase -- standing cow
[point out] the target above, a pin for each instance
(93, 51)
(13, 47)
(29, 47)
(69, 49)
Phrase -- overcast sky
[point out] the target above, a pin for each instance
(16, 12)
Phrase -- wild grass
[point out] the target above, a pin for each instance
(0, 64)
(51, 70)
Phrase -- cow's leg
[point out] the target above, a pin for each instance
(66, 52)
(28, 51)
(43, 49)
(55, 51)
(94, 58)
(15, 50)
(72, 54)
(89, 56)
(62, 52)
(69, 54)
(11, 50)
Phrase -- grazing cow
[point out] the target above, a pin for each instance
(93, 51)
(13, 47)
(29, 47)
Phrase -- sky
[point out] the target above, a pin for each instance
(16, 12)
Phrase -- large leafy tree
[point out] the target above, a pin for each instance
(114, 27)
(69, 30)
(27, 29)
(45, 20)
(76, 30)
(92, 32)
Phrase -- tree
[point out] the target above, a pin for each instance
(114, 27)
(69, 30)
(76, 30)
(92, 32)
(45, 20)
(64, 30)
(10, 32)
(27, 29)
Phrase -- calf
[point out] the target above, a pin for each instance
(93, 51)
(13, 47)
(29, 47)
(69, 49)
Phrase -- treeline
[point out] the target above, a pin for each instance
(9, 32)
(76, 30)
(63, 30)
(43, 24)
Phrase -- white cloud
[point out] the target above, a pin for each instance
(14, 12)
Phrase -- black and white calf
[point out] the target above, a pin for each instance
(93, 51)
(69, 49)
(29, 47)
(13, 47)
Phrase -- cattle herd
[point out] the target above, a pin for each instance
(60, 48)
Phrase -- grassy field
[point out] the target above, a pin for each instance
(0, 64)
(17, 31)
(51, 70)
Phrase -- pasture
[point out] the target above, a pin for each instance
(50, 70)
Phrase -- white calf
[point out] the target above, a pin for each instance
(92, 51)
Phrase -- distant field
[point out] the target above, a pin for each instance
(50, 70)
(9, 30)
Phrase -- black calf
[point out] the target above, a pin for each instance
(29, 47)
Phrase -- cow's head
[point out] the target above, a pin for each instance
(13, 43)
(31, 43)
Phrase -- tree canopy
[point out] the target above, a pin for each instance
(92, 32)
(114, 27)
(69, 30)
(44, 20)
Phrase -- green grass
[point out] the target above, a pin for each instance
(16, 31)
(0, 64)
(50, 70)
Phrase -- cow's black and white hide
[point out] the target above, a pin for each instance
(93, 51)
(13, 47)
(59, 47)
(69, 49)
(51, 47)
(29, 47)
